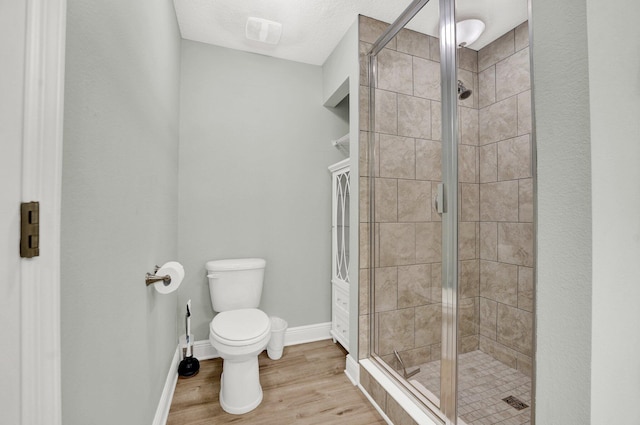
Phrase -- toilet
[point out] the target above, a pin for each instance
(239, 332)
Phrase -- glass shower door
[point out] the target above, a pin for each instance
(407, 200)
(450, 189)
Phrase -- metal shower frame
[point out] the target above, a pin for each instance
(449, 87)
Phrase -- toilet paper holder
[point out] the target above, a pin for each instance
(150, 279)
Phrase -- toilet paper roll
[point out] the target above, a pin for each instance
(177, 266)
(175, 271)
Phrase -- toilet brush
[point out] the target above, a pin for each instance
(189, 366)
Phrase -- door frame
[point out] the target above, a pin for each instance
(41, 181)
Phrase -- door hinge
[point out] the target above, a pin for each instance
(29, 229)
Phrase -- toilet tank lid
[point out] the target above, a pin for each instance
(236, 264)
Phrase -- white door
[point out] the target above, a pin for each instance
(31, 81)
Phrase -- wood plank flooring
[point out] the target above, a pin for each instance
(307, 386)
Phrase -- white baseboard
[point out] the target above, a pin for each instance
(162, 412)
(308, 333)
(352, 370)
(202, 350)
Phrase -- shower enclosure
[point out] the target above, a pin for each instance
(447, 214)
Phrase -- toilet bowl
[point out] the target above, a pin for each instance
(239, 336)
(239, 332)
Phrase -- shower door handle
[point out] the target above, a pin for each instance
(439, 201)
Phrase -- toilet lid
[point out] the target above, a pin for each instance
(240, 325)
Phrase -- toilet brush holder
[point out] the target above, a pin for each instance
(189, 366)
(182, 342)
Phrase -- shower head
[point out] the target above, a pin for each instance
(463, 92)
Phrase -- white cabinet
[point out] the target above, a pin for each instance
(340, 253)
(340, 313)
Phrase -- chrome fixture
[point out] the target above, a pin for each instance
(463, 92)
(406, 374)
(150, 279)
(342, 144)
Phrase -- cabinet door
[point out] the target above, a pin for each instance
(341, 190)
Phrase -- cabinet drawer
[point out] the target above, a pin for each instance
(340, 328)
(340, 299)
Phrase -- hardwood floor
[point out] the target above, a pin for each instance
(307, 386)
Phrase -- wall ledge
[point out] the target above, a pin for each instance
(399, 395)
(375, 405)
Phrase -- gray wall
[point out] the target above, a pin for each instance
(254, 150)
(587, 103)
(563, 311)
(119, 208)
(340, 69)
(614, 106)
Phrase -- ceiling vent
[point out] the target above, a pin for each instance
(264, 31)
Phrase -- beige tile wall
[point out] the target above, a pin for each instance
(496, 199)
(408, 230)
(506, 200)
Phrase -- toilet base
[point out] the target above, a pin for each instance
(240, 389)
(235, 410)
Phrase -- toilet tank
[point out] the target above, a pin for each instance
(235, 283)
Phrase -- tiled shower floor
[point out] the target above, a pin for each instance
(482, 384)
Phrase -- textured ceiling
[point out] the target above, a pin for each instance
(312, 28)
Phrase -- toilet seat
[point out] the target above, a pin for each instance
(240, 327)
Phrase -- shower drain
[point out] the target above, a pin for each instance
(515, 403)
